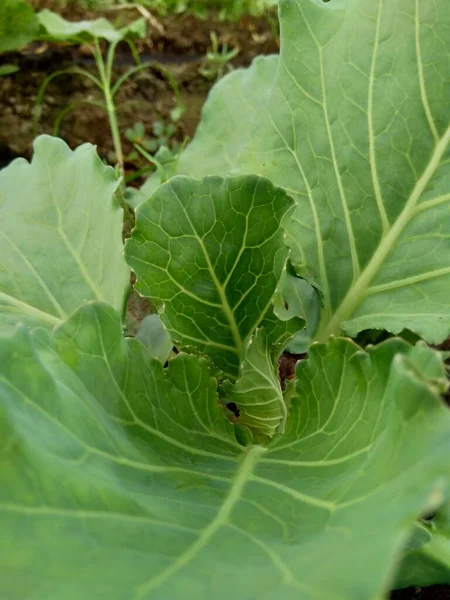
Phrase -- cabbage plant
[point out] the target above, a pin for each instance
(311, 206)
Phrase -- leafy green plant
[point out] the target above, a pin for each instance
(90, 33)
(160, 152)
(163, 133)
(206, 478)
(72, 196)
(136, 134)
(217, 59)
(18, 27)
(428, 552)
(369, 187)
(18, 24)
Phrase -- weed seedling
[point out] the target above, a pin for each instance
(217, 61)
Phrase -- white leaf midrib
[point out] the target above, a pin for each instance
(77, 259)
(28, 310)
(358, 291)
(39, 281)
(423, 91)
(370, 122)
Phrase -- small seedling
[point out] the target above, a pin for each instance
(217, 61)
(163, 134)
(90, 33)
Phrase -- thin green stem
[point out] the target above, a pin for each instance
(105, 72)
(110, 61)
(121, 80)
(153, 161)
(134, 52)
(69, 108)
(45, 83)
(167, 74)
(138, 173)
(172, 82)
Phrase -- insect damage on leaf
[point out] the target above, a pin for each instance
(212, 252)
(232, 407)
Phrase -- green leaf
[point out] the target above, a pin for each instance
(427, 560)
(119, 479)
(357, 130)
(155, 337)
(8, 69)
(18, 25)
(136, 133)
(232, 106)
(158, 128)
(60, 235)
(137, 29)
(257, 392)
(210, 254)
(133, 197)
(297, 298)
(166, 163)
(60, 29)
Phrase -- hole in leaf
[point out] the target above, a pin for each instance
(429, 517)
(233, 407)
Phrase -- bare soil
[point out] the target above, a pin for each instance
(286, 366)
(434, 592)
